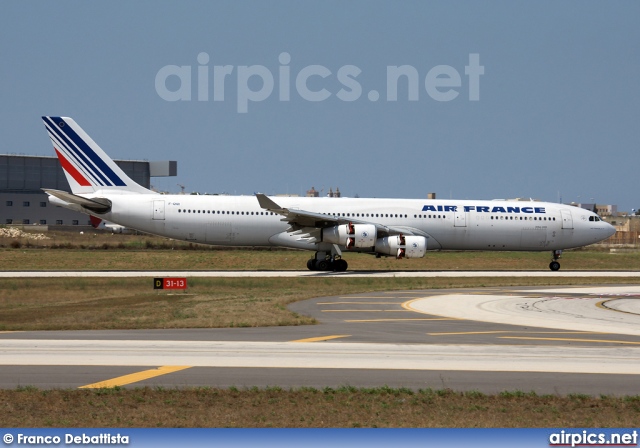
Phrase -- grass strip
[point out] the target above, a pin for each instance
(344, 407)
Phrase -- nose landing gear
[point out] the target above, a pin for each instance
(555, 265)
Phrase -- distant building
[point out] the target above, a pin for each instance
(312, 193)
(627, 230)
(22, 178)
(624, 223)
(333, 194)
(601, 209)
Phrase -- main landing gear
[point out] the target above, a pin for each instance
(324, 262)
(555, 265)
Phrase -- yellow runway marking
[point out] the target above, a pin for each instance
(372, 297)
(364, 311)
(418, 293)
(467, 332)
(323, 338)
(603, 305)
(520, 332)
(135, 377)
(363, 297)
(407, 305)
(358, 303)
(571, 340)
(10, 331)
(401, 320)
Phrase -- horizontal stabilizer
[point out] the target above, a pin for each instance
(98, 205)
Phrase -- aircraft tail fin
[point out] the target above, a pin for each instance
(87, 167)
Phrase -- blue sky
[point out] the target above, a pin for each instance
(557, 112)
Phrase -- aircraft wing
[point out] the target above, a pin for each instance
(301, 219)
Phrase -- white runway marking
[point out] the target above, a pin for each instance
(351, 274)
(544, 308)
(609, 360)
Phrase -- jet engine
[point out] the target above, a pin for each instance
(351, 235)
(402, 246)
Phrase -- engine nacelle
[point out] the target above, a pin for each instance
(351, 235)
(402, 246)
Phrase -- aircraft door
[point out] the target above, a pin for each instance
(158, 210)
(460, 219)
(567, 219)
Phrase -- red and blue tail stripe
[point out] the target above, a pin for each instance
(77, 176)
(87, 167)
(74, 148)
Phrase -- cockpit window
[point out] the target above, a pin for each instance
(594, 218)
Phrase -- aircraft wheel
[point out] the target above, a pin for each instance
(311, 264)
(554, 266)
(322, 265)
(340, 265)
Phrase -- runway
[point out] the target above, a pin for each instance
(309, 355)
(346, 274)
(548, 340)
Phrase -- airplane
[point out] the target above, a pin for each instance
(329, 227)
(98, 223)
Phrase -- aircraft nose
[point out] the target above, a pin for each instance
(610, 230)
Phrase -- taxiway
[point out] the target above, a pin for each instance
(547, 340)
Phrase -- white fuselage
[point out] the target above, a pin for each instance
(447, 224)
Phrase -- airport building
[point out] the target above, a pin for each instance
(22, 201)
(600, 209)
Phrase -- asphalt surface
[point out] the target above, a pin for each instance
(349, 274)
(488, 340)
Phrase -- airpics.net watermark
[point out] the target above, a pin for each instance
(255, 83)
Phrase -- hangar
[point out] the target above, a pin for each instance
(22, 177)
